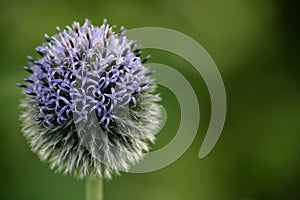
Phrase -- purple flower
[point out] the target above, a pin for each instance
(86, 70)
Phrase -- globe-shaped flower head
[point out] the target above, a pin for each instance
(90, 102)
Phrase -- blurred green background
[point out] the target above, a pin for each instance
(256, 47)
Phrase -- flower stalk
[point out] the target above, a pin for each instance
(94, 188)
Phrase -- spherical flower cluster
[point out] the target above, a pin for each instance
(90, 104)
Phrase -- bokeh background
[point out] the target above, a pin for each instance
(255, 45)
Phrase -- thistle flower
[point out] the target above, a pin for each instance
(90, 104)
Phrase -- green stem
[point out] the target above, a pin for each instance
(94, 188)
